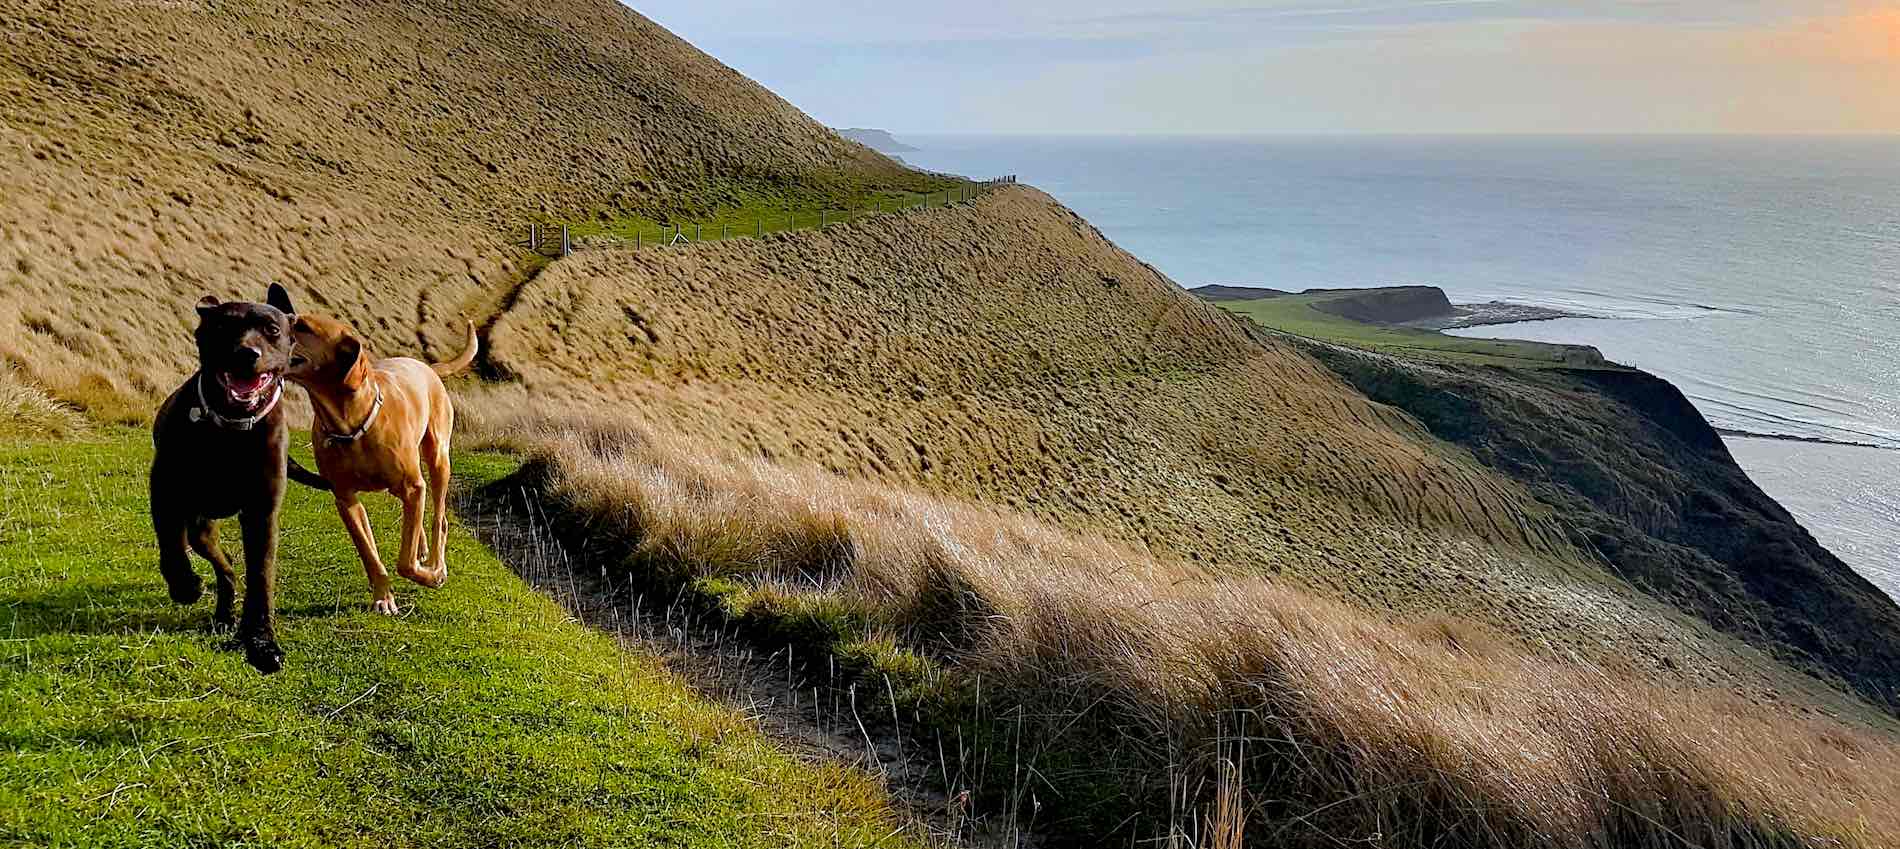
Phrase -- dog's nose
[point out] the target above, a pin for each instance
(249, 356)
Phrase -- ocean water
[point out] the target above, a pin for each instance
(1760, 275)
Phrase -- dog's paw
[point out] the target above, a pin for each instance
(385, 606)
(186, 591)
(431, 578)
(263, 655)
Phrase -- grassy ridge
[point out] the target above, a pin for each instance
(482, 717)
(760, 215)
(754, 214)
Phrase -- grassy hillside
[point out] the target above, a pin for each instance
(1004, 352)
(376, 157)
(483, 717)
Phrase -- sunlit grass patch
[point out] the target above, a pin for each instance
(483, 716)
(754, 215)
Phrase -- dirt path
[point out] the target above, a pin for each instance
(824, 719)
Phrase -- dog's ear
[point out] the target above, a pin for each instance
(280, 298)
(206, 304)
(349, 353)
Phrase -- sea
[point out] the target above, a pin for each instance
(1759, 275)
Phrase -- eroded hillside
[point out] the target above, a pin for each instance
(373, 156)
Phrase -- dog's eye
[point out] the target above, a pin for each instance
(272, 331)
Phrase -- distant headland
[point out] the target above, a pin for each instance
(1423, 307)
(879, 140)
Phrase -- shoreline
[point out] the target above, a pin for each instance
(1727, 432)
(1492, 313)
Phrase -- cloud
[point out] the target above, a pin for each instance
(1869, 37)
(1393, 66)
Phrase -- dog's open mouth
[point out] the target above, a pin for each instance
(248, 391)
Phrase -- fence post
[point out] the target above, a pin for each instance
(821, 219)
(534, 237)
(567, 247)
(636, 239)
(699, 232)
(722, 232)
(761, 228)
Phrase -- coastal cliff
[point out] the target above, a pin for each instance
(1642, 480)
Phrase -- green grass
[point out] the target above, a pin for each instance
(483, 716)
(1295, 314)
(755, 214)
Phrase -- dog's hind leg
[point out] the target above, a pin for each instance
(438, 460)
(356, 520)
(409, 561)
(203, 537)
(174, 558)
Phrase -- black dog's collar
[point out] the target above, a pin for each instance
(204, 412)
(375, 408)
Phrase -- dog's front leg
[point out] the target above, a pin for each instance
(257, 630)
(356, 521)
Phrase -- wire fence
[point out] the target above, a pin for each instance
(558, 240)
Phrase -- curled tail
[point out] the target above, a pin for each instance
(461, 363)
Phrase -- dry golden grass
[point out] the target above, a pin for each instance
(1188, 699)
(375, 157)
(27, 411)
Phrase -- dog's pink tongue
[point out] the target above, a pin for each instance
(246, 385)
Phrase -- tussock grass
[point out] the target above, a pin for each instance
(1127, 696)
(27, 411)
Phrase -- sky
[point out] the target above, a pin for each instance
(1316, 66)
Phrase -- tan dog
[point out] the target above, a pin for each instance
(380, 426)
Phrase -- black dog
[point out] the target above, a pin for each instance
(222, 452)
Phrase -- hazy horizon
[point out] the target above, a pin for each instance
(1299, 67)
(900, 133)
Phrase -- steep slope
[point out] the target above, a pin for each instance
(1640, 477)
(1004, 351)
(371, 155)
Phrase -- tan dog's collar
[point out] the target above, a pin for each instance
(375, 409)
